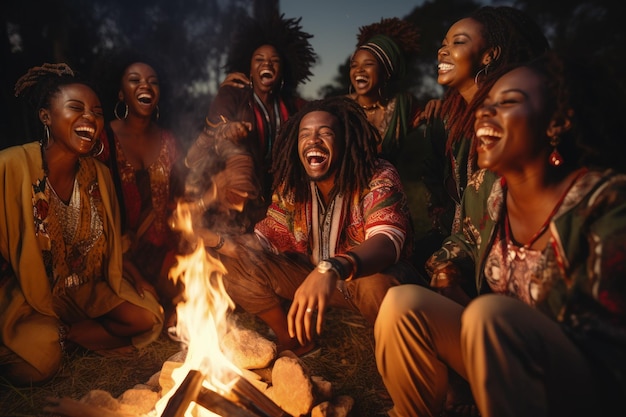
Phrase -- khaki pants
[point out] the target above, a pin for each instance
(259, 284)
(517, 360)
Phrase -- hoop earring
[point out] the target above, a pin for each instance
(117, 116)
(483, 70)
(100, 149)
(158, 113)
(46, 139)
(380, 93)
(555, 159)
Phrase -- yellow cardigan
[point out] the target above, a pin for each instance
(28, 300)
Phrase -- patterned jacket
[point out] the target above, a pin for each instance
(382, 206)
(586, 268)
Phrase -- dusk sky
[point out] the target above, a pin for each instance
(334, 25)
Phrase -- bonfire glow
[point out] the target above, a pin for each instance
(202, 319)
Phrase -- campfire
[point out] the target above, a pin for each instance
(209, 380)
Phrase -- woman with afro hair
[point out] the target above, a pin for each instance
(268, 59)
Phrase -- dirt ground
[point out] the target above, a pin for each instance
(346, 360)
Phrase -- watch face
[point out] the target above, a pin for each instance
(324, 266)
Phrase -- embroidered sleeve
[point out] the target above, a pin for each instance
(385, 208)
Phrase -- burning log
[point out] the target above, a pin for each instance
(246, 401)
(187, 392)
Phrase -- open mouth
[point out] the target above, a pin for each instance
(444, 67)
(267, 77)
(85, 132)
(144, 98)
(316, 158)
(487, 136)
(361, 81)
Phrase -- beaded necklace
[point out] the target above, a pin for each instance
(519, 249)
(271, 129)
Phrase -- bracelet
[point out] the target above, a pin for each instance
(220, 243)
(354, 264)
(357, 261)
(222, 121)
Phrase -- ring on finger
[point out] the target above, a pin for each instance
(309, 310)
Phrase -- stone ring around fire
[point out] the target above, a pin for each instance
(309, 310)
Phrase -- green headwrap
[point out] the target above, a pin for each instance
(388, 53)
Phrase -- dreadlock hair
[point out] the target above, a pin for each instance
(405, 37)
(40, 84)
(359, 159)
(518, 39)
(286, 35)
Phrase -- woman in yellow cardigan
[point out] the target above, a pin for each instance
(60, 249)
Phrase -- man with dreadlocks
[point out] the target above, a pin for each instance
(267, 61)
(336, 234)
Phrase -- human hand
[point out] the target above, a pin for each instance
(431, 110)
(233, 131)
(131, 272)
(312, 296)
(236, 79)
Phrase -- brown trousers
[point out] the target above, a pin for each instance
(259, 283)
(517, 360)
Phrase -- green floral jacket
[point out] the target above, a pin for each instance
(586, 269)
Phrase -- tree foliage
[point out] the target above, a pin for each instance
(189, 39)
(185, 39)
(592, 30)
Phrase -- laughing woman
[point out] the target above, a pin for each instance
(266, 63)
(547, 334)
(377, 69)
(143, 158)
(60, 242)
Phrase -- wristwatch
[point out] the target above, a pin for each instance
(324, 266)
(331, 264)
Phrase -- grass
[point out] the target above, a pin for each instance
(346, 360)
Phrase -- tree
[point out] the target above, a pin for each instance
(187, 38)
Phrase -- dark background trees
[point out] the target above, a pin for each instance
(188, 40)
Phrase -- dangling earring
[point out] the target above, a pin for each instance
(117, 116)
(350, 90)
(158, 113)
(484, 70)
(555, 157)
(46, 140)
(99, 150)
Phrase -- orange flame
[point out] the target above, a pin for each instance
(202, 317)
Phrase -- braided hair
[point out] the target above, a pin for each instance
(359, 158)
(286, 35)
(518, 39)
(39, 84)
